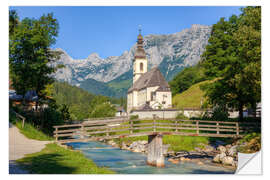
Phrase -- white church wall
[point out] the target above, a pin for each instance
(135, 99)
(129, 101)
(142, 97)
(166, 97)
(149, 90)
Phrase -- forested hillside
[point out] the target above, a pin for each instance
(82, 104)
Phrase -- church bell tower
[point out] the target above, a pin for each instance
(140, 61)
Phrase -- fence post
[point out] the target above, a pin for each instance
(82, 131)
(197, 126)
(131, 126)
(56, 134)
(217, 128)
(107, 129)
(23, 120)
(237, 128)
(176, 125)
(154, 123)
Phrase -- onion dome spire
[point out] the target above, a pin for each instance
(140, 53)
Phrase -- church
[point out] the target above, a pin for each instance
(149, 90)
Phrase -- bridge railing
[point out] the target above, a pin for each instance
(123, 127)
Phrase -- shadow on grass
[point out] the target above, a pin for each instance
(46, 164)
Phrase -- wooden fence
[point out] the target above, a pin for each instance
(19, 116)
(124, 127)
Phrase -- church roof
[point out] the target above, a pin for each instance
(150, 79)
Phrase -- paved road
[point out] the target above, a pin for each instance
(19, 146)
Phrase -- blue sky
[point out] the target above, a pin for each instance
(109, 31)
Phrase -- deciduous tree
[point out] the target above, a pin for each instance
(30, 55)
(233, 57)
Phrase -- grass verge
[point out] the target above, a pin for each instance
(29, 130)
(32, 133)
(54, 159)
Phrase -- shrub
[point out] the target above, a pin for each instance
(132, 117)
(181, 116)
(220, 114)
(252, 143)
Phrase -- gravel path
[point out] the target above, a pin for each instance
(19, 146)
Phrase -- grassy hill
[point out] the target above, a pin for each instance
(191, 98)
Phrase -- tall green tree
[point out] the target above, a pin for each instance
(30, 56)
(13, 21)
(233, 58)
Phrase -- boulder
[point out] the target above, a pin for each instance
(208, 148)
(233, 151)
(198, 149)
(228, 160)
(219, 157)
(222, 149)
(216, 159)
(170, 153)
(174, 161)
(124, 146)
(136, 150)
(111, 142)
(144, 142)
(182, 159)
(133, 145)
(228, 146)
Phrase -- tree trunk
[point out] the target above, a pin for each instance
(240, 111)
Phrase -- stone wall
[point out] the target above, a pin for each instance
(156, 113)
(167, 113)
(192, 112)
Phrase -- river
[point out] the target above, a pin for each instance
(127, 162)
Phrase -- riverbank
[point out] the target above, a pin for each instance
(128, 162)
(195, 150)
(54, 159)
(29, 156)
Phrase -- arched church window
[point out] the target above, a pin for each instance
(141, 67)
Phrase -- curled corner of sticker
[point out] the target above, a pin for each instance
(249, 163)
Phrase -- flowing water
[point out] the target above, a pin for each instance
(127, 162)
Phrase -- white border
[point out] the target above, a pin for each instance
(4, 73)
(136, 2)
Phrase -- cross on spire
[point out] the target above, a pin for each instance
(140, 29)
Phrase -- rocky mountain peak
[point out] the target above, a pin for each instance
(171, 53)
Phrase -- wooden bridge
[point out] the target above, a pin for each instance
(110, 128)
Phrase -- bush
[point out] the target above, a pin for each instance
(220, 114)
(133, 117)
(252, 143)
(181, 116)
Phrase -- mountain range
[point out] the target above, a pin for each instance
(112, 76)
